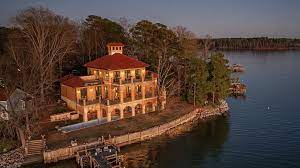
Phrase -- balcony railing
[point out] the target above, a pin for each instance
(137, 80)
(126, 81)
(117, 81)
(138, 96)
(106, 102)
(127, 99)
(83, 102)
(148, 95)
(148, 78)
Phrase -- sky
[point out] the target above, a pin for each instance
(220, 18)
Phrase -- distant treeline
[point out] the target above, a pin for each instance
(259, 43)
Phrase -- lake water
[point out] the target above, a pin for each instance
(262, 130)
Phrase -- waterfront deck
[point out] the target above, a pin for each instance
(103, 156)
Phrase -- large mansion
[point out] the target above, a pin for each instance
(117, 86)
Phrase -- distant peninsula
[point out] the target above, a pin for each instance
(257, 43)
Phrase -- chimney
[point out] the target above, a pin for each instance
(115, 48)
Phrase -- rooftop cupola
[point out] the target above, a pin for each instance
(115, 48)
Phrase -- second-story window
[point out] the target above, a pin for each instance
(106, 76)
(116, 76)
(128, 91)
(83, 93)
(138, 74)
(98, 91)
(127, 75)
(138, 89)
(117, 96)
(105, 92)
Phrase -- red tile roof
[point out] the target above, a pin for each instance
(115, 62)
(3, 96)
(64, 78)
(155, 75)
(74, 81)
(115, 44)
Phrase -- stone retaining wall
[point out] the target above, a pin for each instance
(69, 152)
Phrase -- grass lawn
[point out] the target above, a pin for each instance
(174, 110)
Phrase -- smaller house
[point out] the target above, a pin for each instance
(16, 101)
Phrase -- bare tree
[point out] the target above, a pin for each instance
(166, 52)
(48, 39)
(188, 48)
(206, 45)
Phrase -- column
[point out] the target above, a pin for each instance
(133, 111)
(85, 116)
(109, 87)
(99, 114)
(99, 111)
(121, 94)
(143, 108)
(153, 107)
(143, 91)
(153, 91)
(121, 113)
(132, 92)
(108, 115)
(111, 75)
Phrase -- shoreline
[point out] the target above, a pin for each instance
(171, 127)
(135, 137)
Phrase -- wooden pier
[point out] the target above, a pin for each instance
(105, 156)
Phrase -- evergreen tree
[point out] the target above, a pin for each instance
(198, 86)
(219, 77)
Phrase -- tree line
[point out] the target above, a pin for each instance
(259, 43)
(41, 47)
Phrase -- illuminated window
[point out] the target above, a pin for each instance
(98, 91)
(127, 74)
(138, 74)
(83, 93)
(106, 91)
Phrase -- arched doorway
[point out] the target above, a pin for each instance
(138, 109)
(116, 114)
(149, 107)
(127, 111)
(104, 113)
(92, 115)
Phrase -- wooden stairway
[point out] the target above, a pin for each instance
(35, 147)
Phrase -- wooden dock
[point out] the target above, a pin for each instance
(104, 156)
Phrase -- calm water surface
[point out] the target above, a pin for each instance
(262, 131)
(253, 136)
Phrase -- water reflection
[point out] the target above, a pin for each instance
(186, 150)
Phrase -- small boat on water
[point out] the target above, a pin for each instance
(237, 68)
(237, 88)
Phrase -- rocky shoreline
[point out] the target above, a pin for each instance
(12, 159)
